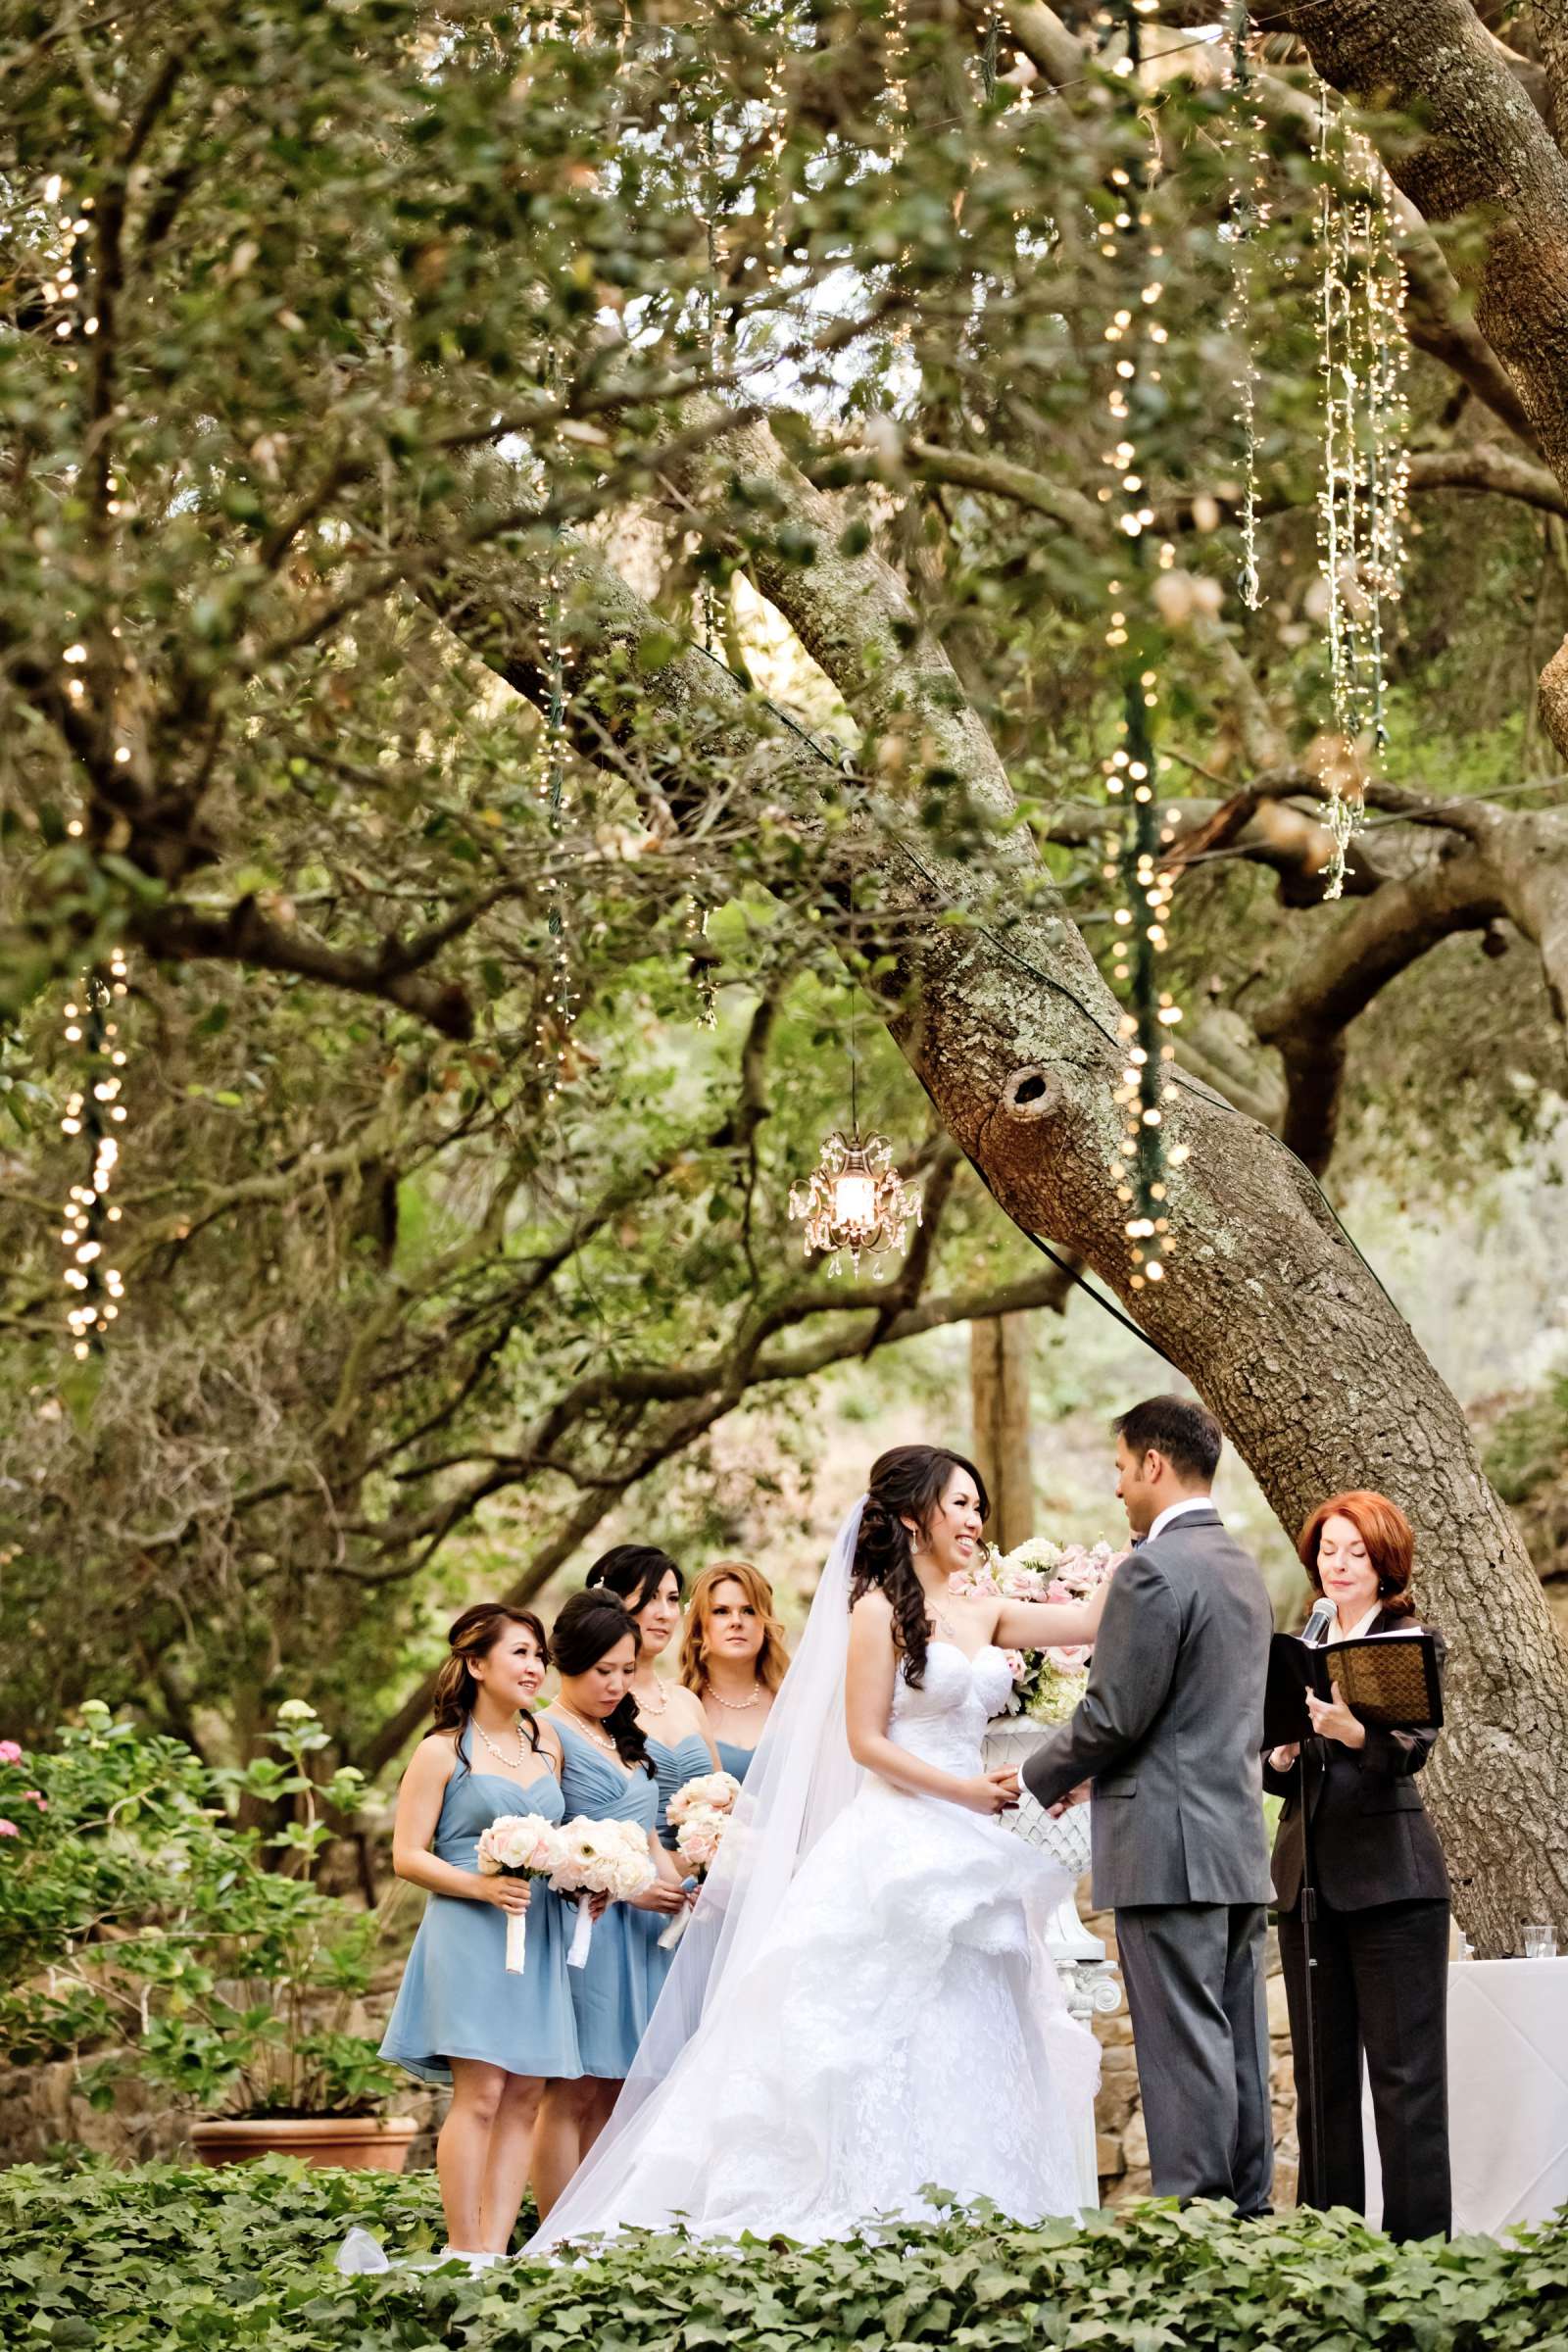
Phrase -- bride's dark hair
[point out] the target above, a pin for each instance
(908, 1481)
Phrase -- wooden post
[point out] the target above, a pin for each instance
(999, 1389)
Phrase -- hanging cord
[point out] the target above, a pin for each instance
(842, 765)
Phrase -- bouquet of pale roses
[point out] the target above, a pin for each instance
(1047, 1684)
(600, 1857)
(521, 1846)
(710, 1790)
(699, 1815)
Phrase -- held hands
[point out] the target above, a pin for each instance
(507, 1894)
(989, 1792)
(1332, 1720)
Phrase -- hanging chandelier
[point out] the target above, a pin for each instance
(856, 1203)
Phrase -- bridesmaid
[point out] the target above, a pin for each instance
(733, 1657)
(650, 1584)
(607, 1775)
(459, 2017)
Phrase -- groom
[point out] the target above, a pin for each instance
(1168, 1734)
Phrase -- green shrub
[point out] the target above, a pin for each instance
(144, 1930)
(240, 2261)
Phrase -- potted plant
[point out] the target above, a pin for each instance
(144, 1930)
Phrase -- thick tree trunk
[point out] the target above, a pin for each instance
(998, 1414)
(1268, 1309)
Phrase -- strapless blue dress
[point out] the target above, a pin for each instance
(456, 2000)
(736, 1760)
(613, 1995)
(687, 1760)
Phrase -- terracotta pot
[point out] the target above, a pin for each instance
(377, 2143)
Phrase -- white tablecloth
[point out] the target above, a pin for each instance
(1507, 2094)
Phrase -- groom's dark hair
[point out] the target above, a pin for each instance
(1188, 1436)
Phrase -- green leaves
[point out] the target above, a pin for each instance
(239, 2260)
(140, 1923)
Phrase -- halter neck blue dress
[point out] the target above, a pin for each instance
(456, 2000)
(613, 1995)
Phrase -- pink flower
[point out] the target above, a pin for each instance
(36, 1796)
(10, 1753)
(8, 1829)
(1017, 1664)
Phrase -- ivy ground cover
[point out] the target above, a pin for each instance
(241, 2261)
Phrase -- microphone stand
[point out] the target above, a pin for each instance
(1313, 2168)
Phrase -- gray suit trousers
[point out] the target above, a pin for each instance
(1193, 1974)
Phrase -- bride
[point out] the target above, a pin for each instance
(861, 2008)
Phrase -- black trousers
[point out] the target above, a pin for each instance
(1382, 1989)
(1193, 1974)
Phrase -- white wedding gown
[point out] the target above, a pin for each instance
(898, 2026)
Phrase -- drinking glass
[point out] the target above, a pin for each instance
(1540, 1943)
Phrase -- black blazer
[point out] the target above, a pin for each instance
(1372, 1841)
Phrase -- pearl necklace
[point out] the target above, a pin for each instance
(500, 1754)
(736, 1707)
(590, 1731)
(646, 1706)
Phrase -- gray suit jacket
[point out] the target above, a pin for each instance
(1170, 1726)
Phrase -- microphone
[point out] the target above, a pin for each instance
(1316, 1628)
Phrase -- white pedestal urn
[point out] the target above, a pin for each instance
(1088, 1977)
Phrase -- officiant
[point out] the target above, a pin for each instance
(1380, 1931)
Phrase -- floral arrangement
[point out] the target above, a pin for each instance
(1047, 1684)
(699, 1814)
(600, 1857)
(521, 1846)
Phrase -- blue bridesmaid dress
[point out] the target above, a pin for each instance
(613, 1995)
(735, 1760)
(456, 2000)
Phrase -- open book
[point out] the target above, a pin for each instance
(1389, 1680)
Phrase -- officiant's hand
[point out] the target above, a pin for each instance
(1074, 1797)
(1332, 1720)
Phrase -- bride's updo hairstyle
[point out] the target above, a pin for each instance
(589, 1626)
(908, 1481)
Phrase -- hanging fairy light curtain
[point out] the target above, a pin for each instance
(558, 995)
(1135, 341)
(1246, 218)
(1362, 357)
(93, 1114)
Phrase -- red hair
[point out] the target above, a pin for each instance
(1383, 1527)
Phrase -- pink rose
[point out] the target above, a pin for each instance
(1016, 1663)
(10, 1753)
(8, 1829)
(36, 1796)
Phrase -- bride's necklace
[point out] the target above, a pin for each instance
(600, 1739)
(500, 1755)
(736, 1707)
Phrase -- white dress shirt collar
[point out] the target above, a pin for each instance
(1357, 1632)
(1179, 1510)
